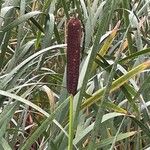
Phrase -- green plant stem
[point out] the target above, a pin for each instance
(100, 110)
(127, 24)
(41, 21)
(104, 98)
(65, 8)
(119, 129)
(70, 140)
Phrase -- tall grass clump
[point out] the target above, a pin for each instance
(84, 88)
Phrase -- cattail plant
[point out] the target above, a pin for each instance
(73, 54)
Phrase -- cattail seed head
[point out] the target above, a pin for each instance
(73, 54)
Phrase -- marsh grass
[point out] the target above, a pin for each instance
(111, 107)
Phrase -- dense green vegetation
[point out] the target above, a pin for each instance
(111, 107)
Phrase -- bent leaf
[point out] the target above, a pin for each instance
(116, 84)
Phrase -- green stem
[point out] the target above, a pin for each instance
(65, 8)
(70, 143)
(127, 24)
(100, 112)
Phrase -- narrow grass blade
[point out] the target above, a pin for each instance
(20, 20)
(120, 137)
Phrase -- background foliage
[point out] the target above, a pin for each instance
(111, 108)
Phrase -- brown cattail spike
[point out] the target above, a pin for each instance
(73, 54)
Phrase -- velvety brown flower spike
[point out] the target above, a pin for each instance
(73, 54)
